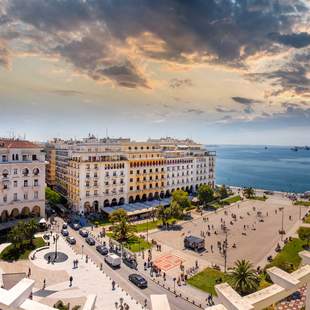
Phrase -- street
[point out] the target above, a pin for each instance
(120, 276)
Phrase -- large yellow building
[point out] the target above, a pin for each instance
(97, 173)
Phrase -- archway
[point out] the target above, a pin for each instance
(150, 196)
(87, 207)
(131, 199)
(25, 212)
(114, 202)
(162, 195)
(14, 213)
(167, 193)
(121, 201)
(95, 206)
(4, 216)
(36, 211)
(144, 197)
(156, 195)
(106, 203)
(137, 198)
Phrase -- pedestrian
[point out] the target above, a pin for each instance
(29, 272)
(70, 280)
(113, 285)
(44, 284)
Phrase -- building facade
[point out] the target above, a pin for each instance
(22, 174)
(96, 173)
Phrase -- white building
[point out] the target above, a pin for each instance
(22, 175)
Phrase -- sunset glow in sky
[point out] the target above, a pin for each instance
(217, 71)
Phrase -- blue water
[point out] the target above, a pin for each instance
(275, 168)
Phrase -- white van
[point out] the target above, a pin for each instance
(113, 260)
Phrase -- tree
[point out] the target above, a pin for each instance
(181, 198)
(243, 278)
(304, 234)
(52, 196)
(205, 194)
(17, 235)
(163, 213)
(223, 192)
(248, 192)
(122, 229)
(30, 229)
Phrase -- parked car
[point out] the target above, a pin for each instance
(102, 249)
(83, 233)
(65, 232)
(90, 241)
(137, 280)
(76, 226)
(113, 260)
(64, 226)
(131, 263)
(71, 240)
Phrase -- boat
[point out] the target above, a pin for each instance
(295, 148)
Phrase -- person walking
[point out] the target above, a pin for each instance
(44, 284)
(70, 281)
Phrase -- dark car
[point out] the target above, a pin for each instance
(102, 249)
(83, 233)
(71, 240)
(137, 280)
(90, 241)
(131, 263)
(65, 232)
(76, 226)
(64, 226)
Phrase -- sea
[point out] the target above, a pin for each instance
(276, 168)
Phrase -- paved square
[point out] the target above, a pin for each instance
(167, 262)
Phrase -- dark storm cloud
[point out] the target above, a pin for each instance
(245, 101)
(179, 83)
(297, 40)
(214, 31)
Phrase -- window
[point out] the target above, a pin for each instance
(25, 196)
(34, 157)
(138, 171)
(96, 193)
(15, 171)
(107, 192)
(87, 194)
(138, 187)
(87, 175)
(5, 173)
(95, 175)
(15, 184)
(114, 173)
(131, 188)
(87, 183)
(4, 158)
(15, 197)
(5, 198)
(131, 180)
(36, 182)
(25, 172)
(36, 171)
(25, 183)
(36, 195)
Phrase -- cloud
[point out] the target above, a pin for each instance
(66, 92)
(4, 54)
(109, 40)
(194, 111)
(179, 83)
(291, 77)
(248, 110)
(221, 109)
(297, 40)
(245, 101)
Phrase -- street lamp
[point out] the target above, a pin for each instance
(225, 251)
(147, 229)
(282, 222)
(56, 239)
(82, 250)
(174, 279)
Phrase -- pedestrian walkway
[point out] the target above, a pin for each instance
(87, 279)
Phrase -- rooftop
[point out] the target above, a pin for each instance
(17, 144)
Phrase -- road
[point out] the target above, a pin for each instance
(120, 276)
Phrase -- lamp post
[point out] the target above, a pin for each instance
(82, 250)
(282, 222)
(225, 251)
(174, 279)
(56, 239)
(147, 229)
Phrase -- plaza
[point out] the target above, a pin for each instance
(255, 232)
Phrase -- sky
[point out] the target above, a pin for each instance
(216, 71)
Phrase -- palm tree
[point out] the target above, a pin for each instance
(31, 229)
(249, 192)
(243, 278)
(121, 228)
(17, 235)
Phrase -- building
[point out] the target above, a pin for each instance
(22, 175)
(97, 173)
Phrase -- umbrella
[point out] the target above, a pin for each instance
(42, 221)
